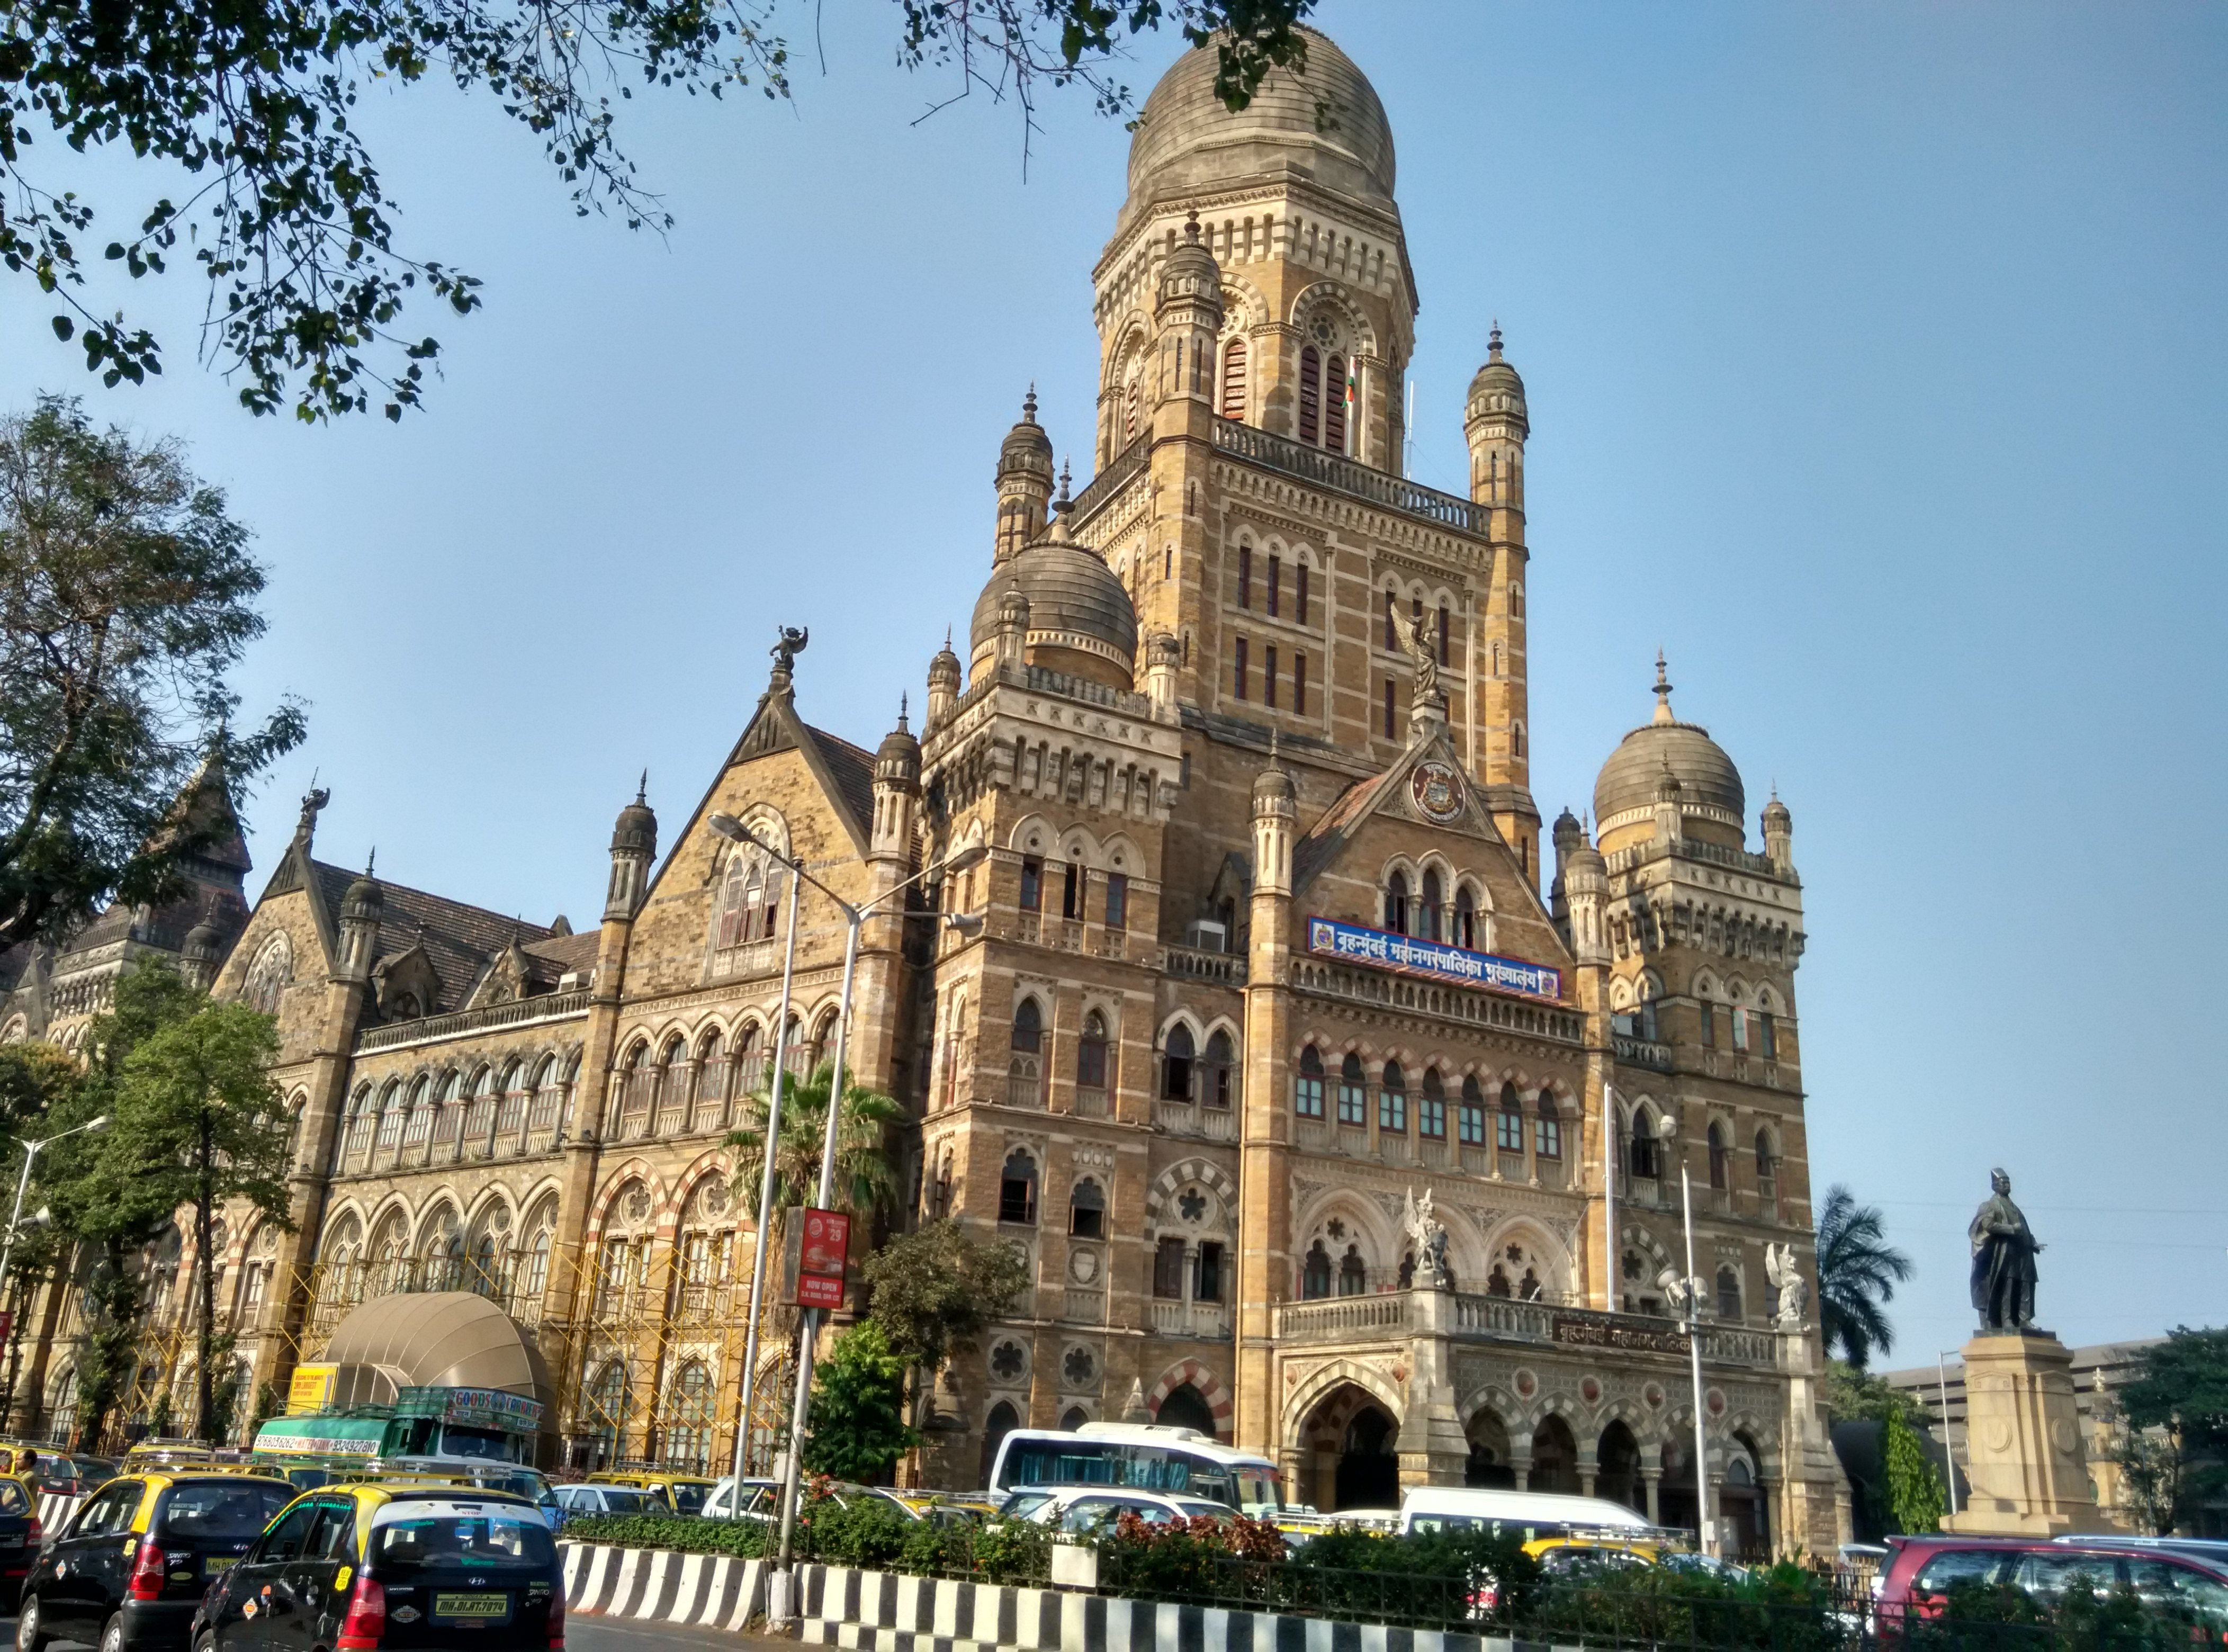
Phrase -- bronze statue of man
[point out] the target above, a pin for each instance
(2004, 1249)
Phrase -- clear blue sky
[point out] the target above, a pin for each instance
(1876, 357)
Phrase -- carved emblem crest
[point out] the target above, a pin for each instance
(1437, 792)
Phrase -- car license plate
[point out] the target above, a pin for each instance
(213, 1563)
(479, 1609)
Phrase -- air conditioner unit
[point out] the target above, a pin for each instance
(1208, 935)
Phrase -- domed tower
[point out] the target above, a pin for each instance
(1024, 484)
(1294, 198)
(634, 846)
(897, 790)
(1581, 891)
(943, 684)
(362, 910)
(1186, 316)
(1495, 424)
(1705, 795)
(203, 954)
(1079, 619)
(1779, 835)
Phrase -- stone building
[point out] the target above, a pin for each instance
(1323, 1127)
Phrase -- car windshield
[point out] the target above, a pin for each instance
(689, 1499)
(506, 1539)
(626, 1499)
(483, 1443)
(1023, 1504)
(221, 1510)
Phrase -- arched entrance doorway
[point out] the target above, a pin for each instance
(1554, 1457)
(1617, 1478)
(1003, 1420)
(1349, 1453)
(1185, 1408)
(1489, 1453)
(1742, 1505)
(1676, 1504)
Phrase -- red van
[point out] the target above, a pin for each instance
(1920, 1572)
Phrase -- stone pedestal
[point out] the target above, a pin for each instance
(2023, 1459)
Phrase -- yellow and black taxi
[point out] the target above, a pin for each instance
(19, 1536)
(129, 1569)
(396, 1564)
(681, 1494)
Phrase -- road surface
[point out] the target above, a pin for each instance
(584, 1634)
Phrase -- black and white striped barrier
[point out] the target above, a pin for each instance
(54, 1510)
(880, 1611)
(706, 1591)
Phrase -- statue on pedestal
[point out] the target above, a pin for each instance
(2004, 1249)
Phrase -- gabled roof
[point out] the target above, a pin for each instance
(846, 773)
(562, 954)
(459, 938)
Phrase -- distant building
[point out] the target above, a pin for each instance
(1259, 954)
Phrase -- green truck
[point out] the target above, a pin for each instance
(461, 1428)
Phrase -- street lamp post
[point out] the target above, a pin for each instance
(1706, 1529)
(854, 917)
(16, 1220)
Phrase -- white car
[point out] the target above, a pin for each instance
(758, 1501)
(1085, 1508)
(609, 1500)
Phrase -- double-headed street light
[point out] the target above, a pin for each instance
(734, 829)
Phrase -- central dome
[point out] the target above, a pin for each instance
(1081, 617)
(1187, 141)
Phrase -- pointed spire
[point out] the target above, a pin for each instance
(1662, 692)
(1191, 226)
(1029, 405)
(905, 702)
(371, 865)
(642, 791)
(1064, 502)
(1492, 343)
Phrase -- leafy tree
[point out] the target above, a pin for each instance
(866, 1178)
(1911, 1494)
(2182, 1389)
(287, 215)
(857, 1426)
(934, 1290)
(126, 596)
(2151, 1475)
(199, 1119)
(1858, 1272)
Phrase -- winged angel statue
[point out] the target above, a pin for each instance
(1779, 1267)
(1429, 1235)
(1419, 641)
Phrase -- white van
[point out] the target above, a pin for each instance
(1525, 1515)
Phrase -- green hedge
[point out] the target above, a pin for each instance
(872, 1532)
(745, 1538)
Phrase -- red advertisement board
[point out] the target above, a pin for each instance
(827, 1243)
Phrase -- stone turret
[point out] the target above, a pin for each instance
(944, 675)
(1779, 835)
(362, 910)
(634, 847)
(1024, 483)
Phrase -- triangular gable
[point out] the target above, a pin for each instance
(296, 873)
(1389, 793)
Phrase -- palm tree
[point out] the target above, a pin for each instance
(866, 1176)
(1858, 1272)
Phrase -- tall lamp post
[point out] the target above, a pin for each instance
(854, 918)
(1689, 1290)
(15, 1219)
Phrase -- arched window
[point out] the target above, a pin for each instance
(541, 1230)
(1017, 1188)
(672, 1090)
(1465, 935)
(1086, 1210)
(1431, 1107)
(1024, 1074)
(1334, 398)
(1028, 1027)
(355, 1140)
(420, 1130)
(1352, 1092)
(269, 976)
(448, 1115)
(1547, 1128)
(1740, 1027)
(1090, 1054)
(710, 1102)
(1215, 1090)
(635, 1090)
(688, 1418)
(1721, 1158)
(1767, 1172)
(1233, 380)
(1396, 903)
(390, 1115)
(1508, 1127)
(1311, 395)
(1647, 1153)
(1393, 1102)
(1470, 1122)
(1003, 1418)
(1176, 1064)
(1729, 1293)
(1307, 1088)
(750, 1061)
(1315, 1274)
(1353, 1272)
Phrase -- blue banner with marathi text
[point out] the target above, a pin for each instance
(1434, 959)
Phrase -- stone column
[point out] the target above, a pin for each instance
(2023, 1449)
(1651, 1480)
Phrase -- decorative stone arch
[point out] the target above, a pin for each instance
(1034, 835)
(607, 1215)
(1329, 299)
(488, 1199)
(1220, 1401)
(1326, 1380)
(1243, 306)
(1763, 1438)
(1541, 1254)
(1079, 846)
(1129, 340)
(1633, 1237)
(1736, 991)
(1205, 1172)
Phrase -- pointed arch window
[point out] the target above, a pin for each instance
(548, 1111)
(1017, 1188)
(1433, 905)
(1469, 1119)
(1721, 1159)
(1028, 1027)
(1086, 1210)
(1767, 1173)
(390, 1116)
(1307, 1089)
(1393, 1102)
(1509, 1128)
(710, 1101)
(1090, 1054)
(1466, 927)
(449, 1120)
(1233, 380)
(1647, 1151)
(1396, 903)
(1177, 1053)
(1547, 1128)
(1315, 1274)
(1311, 395)
(1221, 1058)
(1431, 1107)
(1353, 1273)
(1729, 1295)
(420, 1130)
(1352, 1092)
(1334, 403)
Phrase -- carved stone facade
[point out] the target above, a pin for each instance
(1255, 957)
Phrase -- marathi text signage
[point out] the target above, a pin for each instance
(1433, 959)
(1604, 1333)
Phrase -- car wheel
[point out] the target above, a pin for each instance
(112, 1638)
(28, 1636)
